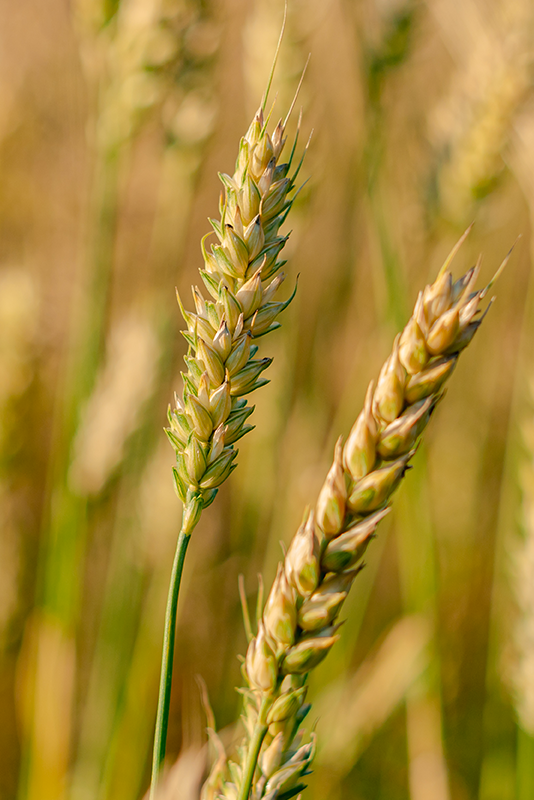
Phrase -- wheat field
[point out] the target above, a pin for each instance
(115, 118)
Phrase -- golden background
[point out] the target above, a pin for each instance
(115, 117)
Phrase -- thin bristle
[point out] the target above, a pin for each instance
(275, 59)
(295, 141)
(205, 700)
(269, 115)
(500, 270)
(472, 278)
(301, 162)
(454, 251)
(292, 106)
(259, 601)
(244, 607)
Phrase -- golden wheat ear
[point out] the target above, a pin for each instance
(300, 620)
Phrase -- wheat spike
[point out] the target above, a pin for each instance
(299, 622)
(242, 275)
(472, 125)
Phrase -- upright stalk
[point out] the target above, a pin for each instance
(64, 534)
(164, 697)
(525, 765)
(241, 275)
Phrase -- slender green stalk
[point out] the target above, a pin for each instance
(525, 765)
(64, 534)
(164, 698)
(258, 736)
(240, 275)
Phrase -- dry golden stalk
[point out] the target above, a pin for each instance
(242, 275)
(299, 622)
(522, 575)
(19, 315)
(112, 412)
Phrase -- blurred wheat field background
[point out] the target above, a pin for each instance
(115, 117)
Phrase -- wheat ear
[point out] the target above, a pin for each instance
(242, 275)
(298, 626)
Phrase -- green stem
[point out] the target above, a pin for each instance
(254, 750)
(525, 765)
(164, 698)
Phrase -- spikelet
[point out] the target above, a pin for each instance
(354, 499)
(241, 275)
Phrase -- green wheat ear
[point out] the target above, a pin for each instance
(242, 276)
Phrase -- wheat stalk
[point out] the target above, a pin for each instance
(520, 674)
(242, 275)
(111, 414)
(298, 625)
